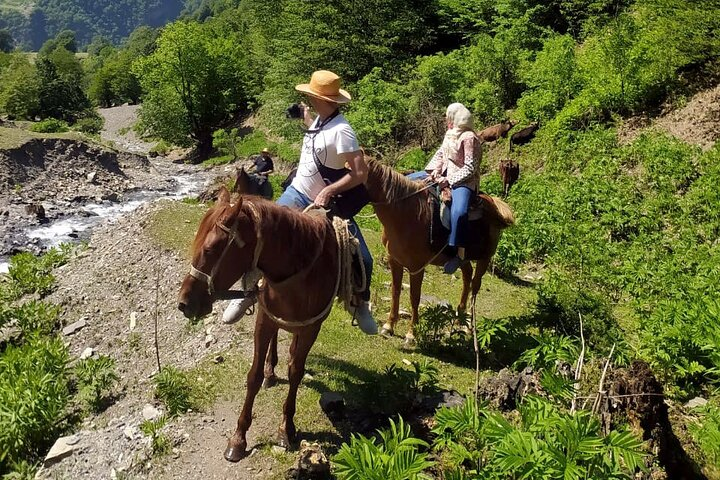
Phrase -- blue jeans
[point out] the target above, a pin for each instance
(294, 199)
(419, 175)
(459, 216)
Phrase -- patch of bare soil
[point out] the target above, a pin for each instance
(118, 287)
(118, 128)
(697, 122)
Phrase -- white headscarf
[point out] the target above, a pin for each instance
(462, 121)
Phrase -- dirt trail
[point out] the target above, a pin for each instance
(697, 122)
(124, 275)
(118, 129)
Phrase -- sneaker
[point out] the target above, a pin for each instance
(238, 308)
(364, 318)
(452, 265)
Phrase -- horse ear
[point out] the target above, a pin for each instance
(242, 181)
(223, 196)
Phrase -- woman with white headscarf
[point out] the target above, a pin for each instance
(457, 164)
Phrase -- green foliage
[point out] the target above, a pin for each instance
(61, 81)
(706, 432)
(49, 125)
(95, 378)
(396, 456)
(160, 442)
(161, 148)
(549, 350)
(225, 142)
(33, 396)
(7, 43)
(91, 123)
(173, 389)
(32, 317)
(546, 443)
(31, 274)
(19, 88)
(414, 159)
(194, 81)
(400, 388)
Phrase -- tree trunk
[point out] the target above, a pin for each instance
(203, 148)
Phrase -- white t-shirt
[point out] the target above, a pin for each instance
(336, 137)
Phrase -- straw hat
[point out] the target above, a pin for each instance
(265, 150)
(325, 85)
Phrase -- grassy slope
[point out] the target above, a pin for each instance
(342, 359)
(15, 137)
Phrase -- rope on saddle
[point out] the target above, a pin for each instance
(345, 285)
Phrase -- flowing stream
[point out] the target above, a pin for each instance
(78, 227)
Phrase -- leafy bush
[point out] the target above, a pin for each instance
(32, 317)
(400, 388)
(95, 378)
(33, 397)
(225, 142)
(414, 159)
(153, 428)
(396, 456)
(50, 125)
(173, 389)
(549, 350)
(546, 443)
(706, 432)
(91, 123)
(31, 274)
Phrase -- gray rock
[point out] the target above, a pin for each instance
(696, 402)
(91, 177)
(61, 448)
(75, 327)
(150, 413)
(87, 353)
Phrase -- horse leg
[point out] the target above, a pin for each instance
(481, 267)
(415, 290)
(271, 361)
(397, 274)
(299, 349)
(467, 271)
(265, 329)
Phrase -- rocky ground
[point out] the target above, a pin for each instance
(117, 288)
(118, 129)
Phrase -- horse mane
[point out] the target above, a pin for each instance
(395, 185)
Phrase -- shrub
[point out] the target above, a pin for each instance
(90, 123)
(159, 441)
(396, 456)
(32, 317)
(160, 148)
(173, 389)
(706, 432)
(225, 142)
(95, 377)
(546, 443)
(33, 397)
(31, 274)
(50, 125)
(414, 159)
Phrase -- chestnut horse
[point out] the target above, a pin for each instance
(403, 209)
(300, 283)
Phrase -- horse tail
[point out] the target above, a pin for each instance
(504, 212)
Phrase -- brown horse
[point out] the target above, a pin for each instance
(403, 209)
(297, 295)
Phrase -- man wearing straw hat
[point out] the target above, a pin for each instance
(329, 143)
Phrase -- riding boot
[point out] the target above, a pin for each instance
(361, 313)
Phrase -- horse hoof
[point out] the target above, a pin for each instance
(270, 382)
(386, 332)
(234, 454)
(409, 343)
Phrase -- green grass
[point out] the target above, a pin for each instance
(343, 359)
(15, 137)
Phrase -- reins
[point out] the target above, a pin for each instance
(387, 202)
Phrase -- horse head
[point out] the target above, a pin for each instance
(224, 249)
(252, 185)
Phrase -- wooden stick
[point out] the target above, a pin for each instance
(596, 405)
(157, 313)
(477, 349)
(578, 366)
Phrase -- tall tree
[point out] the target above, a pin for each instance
(195, 82)
(6, 41)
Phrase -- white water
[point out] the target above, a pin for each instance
(75, 227)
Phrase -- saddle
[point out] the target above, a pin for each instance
(440, 222)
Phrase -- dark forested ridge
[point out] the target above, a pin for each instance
(32, 23)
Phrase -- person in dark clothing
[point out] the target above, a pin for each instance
(264, 164)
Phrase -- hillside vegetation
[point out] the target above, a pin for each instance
(622, 234)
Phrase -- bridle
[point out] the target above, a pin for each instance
(233, 238)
